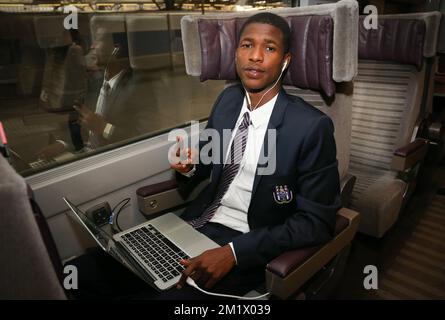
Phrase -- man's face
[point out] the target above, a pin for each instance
(260, 56)
(103, 47)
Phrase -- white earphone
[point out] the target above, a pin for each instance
(284, 65)
(115, 50)
(113, 53)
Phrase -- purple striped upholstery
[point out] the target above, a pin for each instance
(311, 49)
(398, 40)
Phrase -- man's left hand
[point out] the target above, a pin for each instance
(209, 267)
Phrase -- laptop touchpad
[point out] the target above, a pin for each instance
(183, 235)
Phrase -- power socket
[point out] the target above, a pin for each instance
(100, 213)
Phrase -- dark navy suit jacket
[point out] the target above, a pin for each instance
(305, 162)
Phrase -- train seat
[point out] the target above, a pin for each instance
(65, 74)
(209, 50)
(388, 100)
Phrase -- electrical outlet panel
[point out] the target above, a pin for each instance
(100, 213)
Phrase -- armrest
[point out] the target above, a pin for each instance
(289, 271)
(407, 156)
(158, 197)
(435, 131)
(162, 196)
(157, 188)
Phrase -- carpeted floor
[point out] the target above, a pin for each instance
(418, 268)
(410, 258)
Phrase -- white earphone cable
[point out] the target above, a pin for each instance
(191, 282)
(278, 79)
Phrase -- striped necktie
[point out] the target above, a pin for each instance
(229, 172)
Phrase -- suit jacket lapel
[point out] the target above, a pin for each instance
(275, 122)
(118, 94)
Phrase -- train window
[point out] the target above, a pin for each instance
(79, 82)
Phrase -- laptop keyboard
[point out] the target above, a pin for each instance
(158, 252)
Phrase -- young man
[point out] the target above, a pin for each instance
(306, 165)
(255, 217)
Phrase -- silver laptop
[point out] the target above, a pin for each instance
(151, 250)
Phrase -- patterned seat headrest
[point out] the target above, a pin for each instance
(398, 40)
(311, 49)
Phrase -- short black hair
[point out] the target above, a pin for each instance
(273, 20)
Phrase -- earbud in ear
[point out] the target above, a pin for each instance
(115, 50)
(284, 65)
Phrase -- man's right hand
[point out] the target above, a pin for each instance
(51, 151)
(90, 120)
(187, 165)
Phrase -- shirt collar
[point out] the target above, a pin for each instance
(261, 115)
(113, 81)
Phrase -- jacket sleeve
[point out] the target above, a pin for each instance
(317, 201)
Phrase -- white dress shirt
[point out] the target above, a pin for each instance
(102, 103)
(112, 83)
(235, 203)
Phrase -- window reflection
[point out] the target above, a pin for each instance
(66, 94)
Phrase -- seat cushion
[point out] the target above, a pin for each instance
(378, 196)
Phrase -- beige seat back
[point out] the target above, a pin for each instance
(389, 88)
(389, 101)
(153, 53)
(64, 76)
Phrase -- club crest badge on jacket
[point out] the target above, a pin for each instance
(282, 194)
